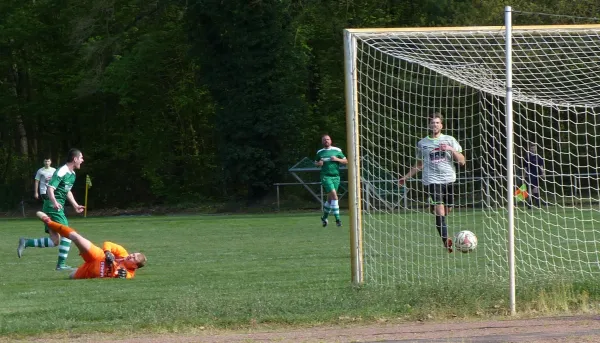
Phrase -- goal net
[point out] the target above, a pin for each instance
(399, 77)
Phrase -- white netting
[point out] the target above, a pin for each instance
(402, 77)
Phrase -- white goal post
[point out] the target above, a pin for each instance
(501, 90)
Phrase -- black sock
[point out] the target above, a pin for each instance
(536, 198)
(440, 224)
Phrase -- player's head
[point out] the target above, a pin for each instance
(135, 260)
(326, 140)
(75, 157)
(436, 123)
(47, 162)
(532, 148)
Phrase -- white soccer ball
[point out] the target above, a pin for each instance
(465, 241)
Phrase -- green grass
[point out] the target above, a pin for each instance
(236, 271)
(549, 243)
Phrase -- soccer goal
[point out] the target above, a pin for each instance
(500, 90)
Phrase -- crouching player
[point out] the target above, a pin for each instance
(112, 261)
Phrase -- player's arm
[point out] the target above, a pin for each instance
(340, 159)
(456, 151)
(115, 249)
(36, 191)
(51, 187)
(412, 172)
(459, 157)
(50, 194)
(318, 161)
(76, 206)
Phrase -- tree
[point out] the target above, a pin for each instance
(256, 76)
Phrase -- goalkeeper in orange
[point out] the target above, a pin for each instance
(112, 261)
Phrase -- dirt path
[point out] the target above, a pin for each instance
(580, 329)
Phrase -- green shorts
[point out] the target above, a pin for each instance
(330, 183)
(56, 216)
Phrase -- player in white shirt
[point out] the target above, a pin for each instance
(436, 155)
(42, 177)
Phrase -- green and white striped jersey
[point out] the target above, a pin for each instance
(329, 167)
(62, 181)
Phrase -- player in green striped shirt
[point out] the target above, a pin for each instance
(59, 190)
(329, 159)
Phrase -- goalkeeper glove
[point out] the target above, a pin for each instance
(122, 273)
(109, 258)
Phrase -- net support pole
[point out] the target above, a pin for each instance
(510, 162)
(352, 125)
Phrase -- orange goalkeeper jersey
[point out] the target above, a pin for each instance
(95, 266)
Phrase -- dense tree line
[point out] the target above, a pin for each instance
(191, 100)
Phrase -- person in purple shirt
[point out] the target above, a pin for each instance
(533, 170)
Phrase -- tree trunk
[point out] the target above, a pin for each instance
(23, 145)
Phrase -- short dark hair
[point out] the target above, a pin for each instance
(142, 261)
(436, 115)
(72, 154)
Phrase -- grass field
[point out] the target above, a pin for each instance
(232, 272)
(550, 242)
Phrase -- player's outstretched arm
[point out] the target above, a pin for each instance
(412, 172)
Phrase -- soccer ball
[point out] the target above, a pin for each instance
(465, 241)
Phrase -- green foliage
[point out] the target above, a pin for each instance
(177, 100)
(247, 53)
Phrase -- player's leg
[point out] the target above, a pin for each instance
(528, 200)
(44, 242)
(535, 191)
(448, 194)
(334, 200)
(436, 200)
(327, 184)
(64, 244)
(91, 254)
(65, 231)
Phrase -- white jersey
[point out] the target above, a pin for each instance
(44, 175)
(438, 165)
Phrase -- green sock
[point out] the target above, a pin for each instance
(335, 207)
(63, 250)
(326, 210)
(45, 242)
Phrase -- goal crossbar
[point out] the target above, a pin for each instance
(486, 29)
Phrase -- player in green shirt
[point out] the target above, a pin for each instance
(59, 191)
(329, 159)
